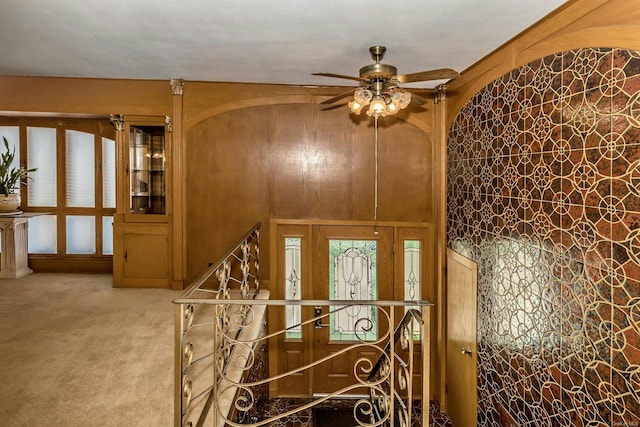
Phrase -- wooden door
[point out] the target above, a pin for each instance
(349, 262)
(462, 397)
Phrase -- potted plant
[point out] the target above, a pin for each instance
(10, 178)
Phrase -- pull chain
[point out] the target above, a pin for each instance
(375, 185)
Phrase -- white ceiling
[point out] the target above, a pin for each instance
(261, 41)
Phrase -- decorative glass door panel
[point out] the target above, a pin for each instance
(351, 263)
(352, 277)
(293, 286)
(412, 276)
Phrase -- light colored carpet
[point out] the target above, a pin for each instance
(76, 352)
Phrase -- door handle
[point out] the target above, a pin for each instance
(466, 351)
(317, 312)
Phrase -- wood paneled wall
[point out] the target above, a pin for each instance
(78, 97)
(297, 161)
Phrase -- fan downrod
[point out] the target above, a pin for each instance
(377, 53)
(378, 71)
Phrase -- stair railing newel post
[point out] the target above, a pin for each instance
(179, 365)
(392, 370)
(426, 361)
(216, 351)
(410, 346)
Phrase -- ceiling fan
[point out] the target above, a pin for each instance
(379, 86)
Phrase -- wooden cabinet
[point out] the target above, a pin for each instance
(142, 226)
(142, 254)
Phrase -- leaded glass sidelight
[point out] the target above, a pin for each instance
(412, 279)
(352, 276)
(411, 270)
(292, 285)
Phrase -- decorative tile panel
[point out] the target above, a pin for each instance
(544, 194)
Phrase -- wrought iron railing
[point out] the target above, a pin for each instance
(221, 340)
(204, 332)
(404, 336)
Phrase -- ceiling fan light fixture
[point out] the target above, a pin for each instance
(381, 105)
(401, 98)
(355, 107)
(377, 107)
(363, 96)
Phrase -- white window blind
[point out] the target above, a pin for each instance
(81, 234)
(43, 237)
(80, 175)
(41, 154)
(107, 235)
(108, 173)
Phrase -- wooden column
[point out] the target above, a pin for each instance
(179, 226)
(440, 219)
(122, 197)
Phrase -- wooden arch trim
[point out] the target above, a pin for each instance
(421, 120)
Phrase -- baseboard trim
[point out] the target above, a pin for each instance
(94, 265)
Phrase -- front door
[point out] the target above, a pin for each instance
(324, 262)
(352, 263)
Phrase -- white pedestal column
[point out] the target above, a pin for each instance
(13, 262)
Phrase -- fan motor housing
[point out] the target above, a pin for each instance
(374, 71)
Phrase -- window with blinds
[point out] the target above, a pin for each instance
(74, 186)
(43, 236)
(108, 173)
(41, 154)
(81, 234)
(79, 170)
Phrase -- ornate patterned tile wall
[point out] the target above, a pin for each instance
(544, 194)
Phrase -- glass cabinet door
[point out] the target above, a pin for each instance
(147, 169)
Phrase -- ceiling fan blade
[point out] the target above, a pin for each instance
(423, 96)
(337, 97)
(418, 99)
(339, 76)
(421, 76)
(334, 106)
